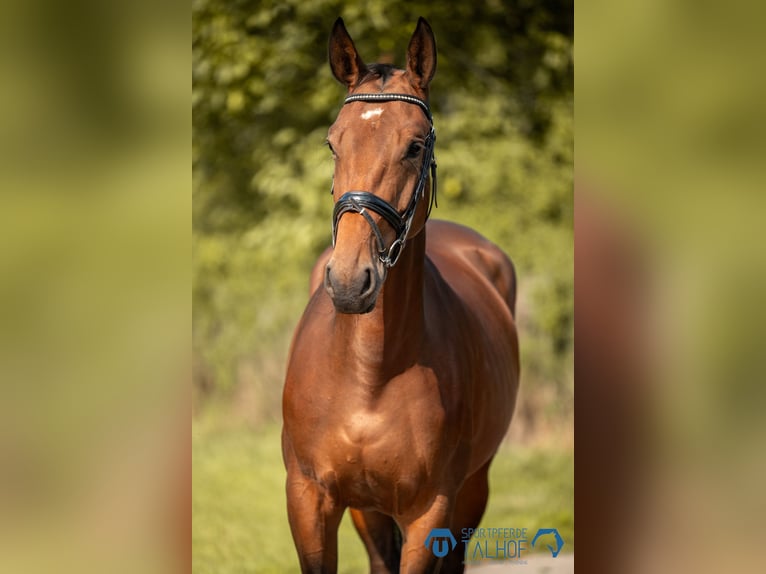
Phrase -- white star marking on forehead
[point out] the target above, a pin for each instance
(371, 113)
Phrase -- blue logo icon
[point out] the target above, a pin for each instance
(437, 541)
(559, 540)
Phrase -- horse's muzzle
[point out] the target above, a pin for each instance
(352, 293)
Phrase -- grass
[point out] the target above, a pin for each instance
(240, 522)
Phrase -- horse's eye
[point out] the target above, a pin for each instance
(413, 150)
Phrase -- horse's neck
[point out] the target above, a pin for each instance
(387, 341)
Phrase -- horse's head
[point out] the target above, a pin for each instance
(382, 144)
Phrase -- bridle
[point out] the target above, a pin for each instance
(362, 202)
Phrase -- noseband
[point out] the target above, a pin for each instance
(362, 202)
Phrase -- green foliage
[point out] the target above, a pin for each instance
(263, 98)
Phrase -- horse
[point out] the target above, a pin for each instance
(403, 370)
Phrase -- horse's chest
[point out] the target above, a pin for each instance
(380, 475)
(372, 461)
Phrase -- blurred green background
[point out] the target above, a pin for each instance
(263, 98)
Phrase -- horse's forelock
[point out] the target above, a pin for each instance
(382, 72)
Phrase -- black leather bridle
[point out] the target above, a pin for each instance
(362, 202)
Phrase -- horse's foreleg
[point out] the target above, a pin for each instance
(469, 508)
(381, 537)
(314, 519)
(416, 557)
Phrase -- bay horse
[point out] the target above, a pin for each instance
(403, 370)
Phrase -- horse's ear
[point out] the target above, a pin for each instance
(421, 55)
(345, 62)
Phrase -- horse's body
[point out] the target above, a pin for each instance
(398, 395)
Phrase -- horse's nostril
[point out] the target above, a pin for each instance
(367, 281)
(328, 278)
(349, 291)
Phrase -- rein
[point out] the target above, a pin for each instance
(362, 202)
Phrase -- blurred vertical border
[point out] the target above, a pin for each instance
(95, 141)
(669, 284)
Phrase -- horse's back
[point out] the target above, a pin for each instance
(459, 253)
(467, 267)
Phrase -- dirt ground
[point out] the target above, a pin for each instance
(562, 564)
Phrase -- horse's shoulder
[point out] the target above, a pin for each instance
(460, 252)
